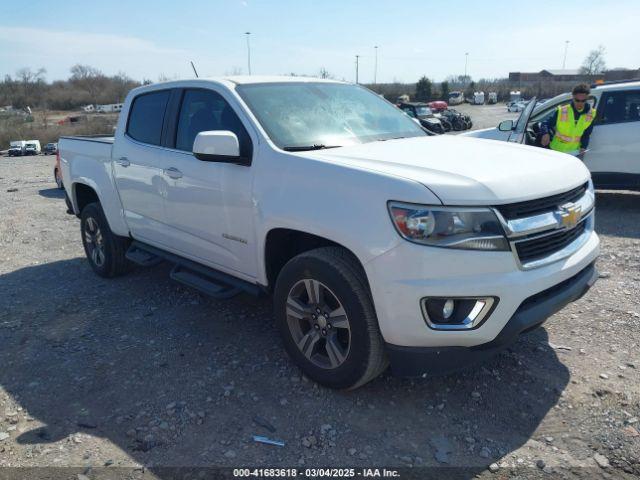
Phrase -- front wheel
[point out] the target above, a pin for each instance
(105, 250)
(326, 318)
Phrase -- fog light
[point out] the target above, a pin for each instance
(447, 310)
(461, 313)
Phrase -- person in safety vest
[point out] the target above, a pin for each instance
(572, 122)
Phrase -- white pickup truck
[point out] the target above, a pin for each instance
(380, 244)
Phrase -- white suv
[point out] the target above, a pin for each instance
(613, 155)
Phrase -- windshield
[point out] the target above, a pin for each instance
(325, 114)
(454, 94)
(423, 111)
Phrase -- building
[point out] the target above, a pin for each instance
(618, 74)
(560, 75)
(571, 75)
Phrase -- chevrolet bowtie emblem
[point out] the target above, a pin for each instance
(570, 215)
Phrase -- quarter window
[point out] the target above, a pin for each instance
(147, 116)
(618, 107)
(205, 110)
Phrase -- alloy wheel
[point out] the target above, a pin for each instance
(318, 324)
(94, 242)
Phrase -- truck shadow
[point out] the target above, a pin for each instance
(51, 193)
(618, 213)
(174, 379)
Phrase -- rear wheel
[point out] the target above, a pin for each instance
(105, 250)
(326, 318)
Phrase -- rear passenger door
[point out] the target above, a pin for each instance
(613, 156)
(209, 205)
(139, 161)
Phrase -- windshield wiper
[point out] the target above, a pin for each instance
(303, 148)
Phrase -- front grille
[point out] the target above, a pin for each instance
(540, 205)
(540, 247)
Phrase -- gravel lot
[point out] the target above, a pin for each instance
(124, 377)
(486, 116)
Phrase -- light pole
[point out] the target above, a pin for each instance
(566, 47)
(375, 65)
(248, 52)
(466, 58)
(357, 59)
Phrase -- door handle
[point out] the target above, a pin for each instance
(123, 162)
(172, 173)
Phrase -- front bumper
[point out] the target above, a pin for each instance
(400, 277)
(532, 312)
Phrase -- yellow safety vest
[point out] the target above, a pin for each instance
(568, 131)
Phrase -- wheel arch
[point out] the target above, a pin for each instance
(82, 195)
(282, 244)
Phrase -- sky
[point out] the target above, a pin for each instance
(154, 39)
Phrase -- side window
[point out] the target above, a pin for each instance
(618, 107)
(204, 110)
(146, 117)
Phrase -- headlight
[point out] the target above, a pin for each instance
(590, 186)
(464, 228)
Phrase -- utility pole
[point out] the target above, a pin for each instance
(566, 47)
(248, 52)
(375, 67)
(466, 58)
(357, 59)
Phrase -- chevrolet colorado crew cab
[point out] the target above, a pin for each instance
(379, 243)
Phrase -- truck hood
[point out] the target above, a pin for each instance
(466, 171)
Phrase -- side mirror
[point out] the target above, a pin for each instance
(505, 126)
(218, 146)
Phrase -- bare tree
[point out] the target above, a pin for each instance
(594, 62)
(89, 79)
(32, 83)
(324, 73)
(234, 71)
(122, 83)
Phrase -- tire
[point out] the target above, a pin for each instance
(105, 251)
(344, 348)
(56, 175)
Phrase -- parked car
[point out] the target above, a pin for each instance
(456, 98)
(492, 98)
(424, 115)
(438, 105)
(517, 106)
(16, 148)
(377, 242)
(32, 147)
(57, 172)
(50, 149)
(613, 157)
(478, 98)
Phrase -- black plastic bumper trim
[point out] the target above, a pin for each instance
(418, 361)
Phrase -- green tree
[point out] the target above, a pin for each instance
(444, 89)
(423, 89)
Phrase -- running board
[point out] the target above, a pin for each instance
(212, 282)
(200, 282)
(142, 257)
